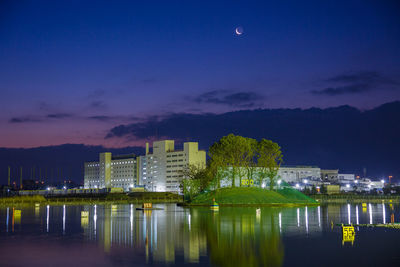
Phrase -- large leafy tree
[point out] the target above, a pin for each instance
(234, 153)
(269, 160)
(238, 156)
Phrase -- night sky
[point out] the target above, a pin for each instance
(71, 71)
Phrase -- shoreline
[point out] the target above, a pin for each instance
(342, 199)
(253, 205)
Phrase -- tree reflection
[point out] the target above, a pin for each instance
(237, 238)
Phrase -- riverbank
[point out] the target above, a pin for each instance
(354, 198)
(111, 198)
(252, 196)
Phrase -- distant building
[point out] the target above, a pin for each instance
(329, 175)
(111, 171)
(298, 174)
(162, 169)
(292, 175)
(343, 178)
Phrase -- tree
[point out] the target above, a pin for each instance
(249, 161)
(314, 190)
(269, 161)
(323, 189)
(195, 180)
(232, 152)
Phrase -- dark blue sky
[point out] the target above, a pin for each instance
(72, 70)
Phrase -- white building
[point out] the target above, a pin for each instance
(162, 170)
(346, 178)
(292, 175)
(111, 171)
(298, 174)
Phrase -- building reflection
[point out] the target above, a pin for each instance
(164, 235)
(230, 236)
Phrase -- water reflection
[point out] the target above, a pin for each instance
(230, 236)
(64, 219)
(47, 217)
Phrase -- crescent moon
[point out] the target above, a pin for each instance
(238, 32)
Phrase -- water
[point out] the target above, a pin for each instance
(123, 236)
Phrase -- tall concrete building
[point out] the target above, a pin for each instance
(112, 171)
(162, 169)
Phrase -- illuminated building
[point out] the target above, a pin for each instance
(111, 171)
(161, 170)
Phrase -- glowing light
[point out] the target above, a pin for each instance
(357, 215)
(64, 187)
(63, 218)
(306, 219)
(356, 181)
(297, 185)
(263, 185)
(348, 214)
(383, 213)
(370, 213)
(347, 185)
(48, 188)
(280, 222)
(47, 217)
(95, 219)
(305, 181)
(382, 181)
(319, 216)
(279, 182)
(298, 217)
(7, 218)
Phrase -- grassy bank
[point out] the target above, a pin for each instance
(354, 198)
(112, 198)
(253, 196)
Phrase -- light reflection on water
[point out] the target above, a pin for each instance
(176, 235)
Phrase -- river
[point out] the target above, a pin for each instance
(120, 235)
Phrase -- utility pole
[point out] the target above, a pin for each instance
(8, 175)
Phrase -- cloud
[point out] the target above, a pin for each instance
(362, 77)
(28, 119)
(98, 104)
(23, 120)
(230, 98)
(101, 118)
(341, 90)
(355, 83)
(59, 116)
(283, 125)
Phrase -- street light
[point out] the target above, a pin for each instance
(297, 185)
(305, 181)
